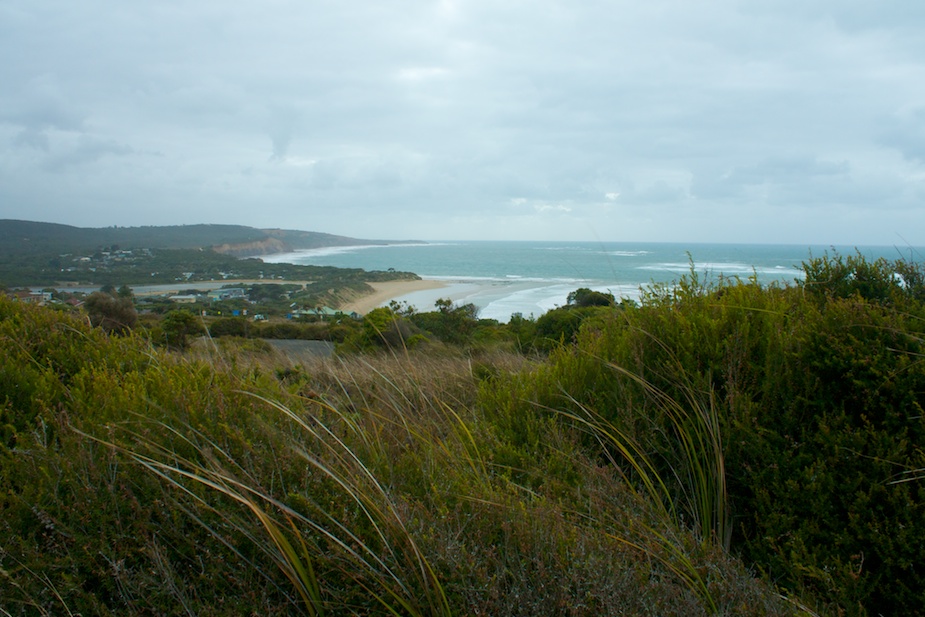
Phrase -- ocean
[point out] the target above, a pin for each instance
(530, 278)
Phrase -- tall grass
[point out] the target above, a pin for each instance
(377, 484)
(396, 456)
(698, 474)
(372, 549)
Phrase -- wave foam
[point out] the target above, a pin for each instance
(297, 257)
(729, 268)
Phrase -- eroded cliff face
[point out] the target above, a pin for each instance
(285, 241)
(267, 246)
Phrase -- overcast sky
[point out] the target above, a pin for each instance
(796, 121)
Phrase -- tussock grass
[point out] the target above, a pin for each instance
(152, 482)
(685, 497)
(418, 465)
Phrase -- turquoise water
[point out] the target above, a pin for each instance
(503, 278)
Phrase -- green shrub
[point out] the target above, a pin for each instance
(229, 326)
(381, 329)
(819, 389)
(178, 326)
(587, 297)
(561, 325)
(111, 313)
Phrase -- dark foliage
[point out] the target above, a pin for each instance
(178, 327)
(111, 313)
(450, 323)
(587, 297)
(45, 254)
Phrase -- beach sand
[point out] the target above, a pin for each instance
(388, 290)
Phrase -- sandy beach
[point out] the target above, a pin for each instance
(388, 290)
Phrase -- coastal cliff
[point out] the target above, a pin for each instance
(255, 248)
(287, 240)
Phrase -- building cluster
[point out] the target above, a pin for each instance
(216, 295)
(318, 313)
(30, 297)
(322, 313)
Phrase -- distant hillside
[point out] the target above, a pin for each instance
(283, 240)
(28, 237)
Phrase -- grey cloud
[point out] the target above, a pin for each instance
(660, 192)
(281, 127)
(32, 138)
(785, 171)
(851, 15)
(40, 105)
(779, 180)
(433, 111)
(86, 150)
(906, 133)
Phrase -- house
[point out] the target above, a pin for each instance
(30, 297)
(227, 293)
(184, 299)
(323, 313)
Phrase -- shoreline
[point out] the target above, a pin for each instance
(389, 290)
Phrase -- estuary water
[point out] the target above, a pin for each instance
(530, 278)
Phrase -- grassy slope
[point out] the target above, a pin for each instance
(247, 485)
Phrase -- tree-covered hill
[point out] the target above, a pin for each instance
(29, 237)
(46, 254)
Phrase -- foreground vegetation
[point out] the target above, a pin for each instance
(721, 448)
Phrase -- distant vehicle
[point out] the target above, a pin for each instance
(260, 317)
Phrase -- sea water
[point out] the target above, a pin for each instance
(530, 278)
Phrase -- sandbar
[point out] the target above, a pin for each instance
(385, 291)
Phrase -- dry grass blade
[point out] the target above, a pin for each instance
(389, 573)
(699, 473)
(697, 430)
(677, 559)
(361, 485)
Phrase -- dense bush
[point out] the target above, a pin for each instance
(561, 325)
(82, 531)
(229, 326)
(110, 312)
(588, 297)
(382, 328)
(818, 389)
(178, 327)
(450, 323)
(309, 331)
(320, 331)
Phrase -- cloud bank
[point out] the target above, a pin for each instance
(727, 120)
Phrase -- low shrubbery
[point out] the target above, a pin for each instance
(818, 391)
(136, 481)
(292, 330)
(627, 472)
